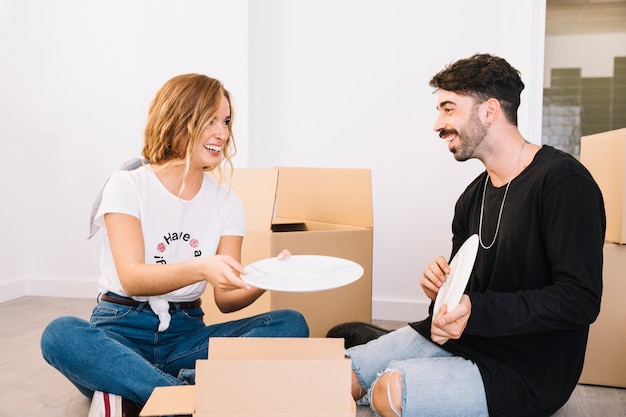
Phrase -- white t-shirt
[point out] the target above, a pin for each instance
(174, 230)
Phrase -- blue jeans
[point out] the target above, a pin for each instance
(434, 382)
(121, 352)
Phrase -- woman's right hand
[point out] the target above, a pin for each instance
(223, 272)
(434, 276)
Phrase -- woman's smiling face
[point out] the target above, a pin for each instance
(214, 137)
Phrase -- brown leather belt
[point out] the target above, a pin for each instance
(126, 301)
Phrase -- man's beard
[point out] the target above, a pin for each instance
(470, 136)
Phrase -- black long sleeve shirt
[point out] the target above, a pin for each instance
(535, 292)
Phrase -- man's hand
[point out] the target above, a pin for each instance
(451, 325)
(434, 276)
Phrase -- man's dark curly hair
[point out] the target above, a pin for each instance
(483, 76)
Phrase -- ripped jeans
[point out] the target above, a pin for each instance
(121, 352)
(434, 382)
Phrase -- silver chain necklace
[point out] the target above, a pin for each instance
(482, 204)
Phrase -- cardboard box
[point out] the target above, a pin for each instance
(263, 377)
(604, 155)
(310, 211)
(605, 360)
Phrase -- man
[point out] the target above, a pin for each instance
(515, 344)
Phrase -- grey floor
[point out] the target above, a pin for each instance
(30, 387)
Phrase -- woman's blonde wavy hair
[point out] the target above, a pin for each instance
(179, 112)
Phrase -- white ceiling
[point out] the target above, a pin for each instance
(568, 17)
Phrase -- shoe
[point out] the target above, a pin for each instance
(356, 333)
(104, 404)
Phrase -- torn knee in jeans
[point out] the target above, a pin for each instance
(387, 394)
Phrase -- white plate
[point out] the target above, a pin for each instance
(302, 273)
(461, 266)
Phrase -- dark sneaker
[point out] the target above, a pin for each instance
(356, 333)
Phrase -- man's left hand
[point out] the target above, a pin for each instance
(451, 325)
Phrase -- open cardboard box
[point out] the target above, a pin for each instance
(605, 359)
(310, 211)
(276, 377)
(604, 155)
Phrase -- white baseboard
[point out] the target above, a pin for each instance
(11, 289)
(399, 310)
(62, 288)
(17, 288)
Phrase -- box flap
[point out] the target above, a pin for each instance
(261, 413)
(256, 187)
(170, 400)
(273, 387)
(254, 348)
(331, 195)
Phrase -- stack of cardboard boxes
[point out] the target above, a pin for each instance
(604, 155)
(310, 211)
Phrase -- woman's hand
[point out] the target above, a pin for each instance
(232, 293)
(284, 254)
(434, 276)
(223, 272)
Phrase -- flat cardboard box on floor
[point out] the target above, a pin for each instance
(308, 377)
(310, 211)
(604, 155)
(605, 360)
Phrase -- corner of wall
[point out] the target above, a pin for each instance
(10, 289)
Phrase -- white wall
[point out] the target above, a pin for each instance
(76, 80)
(316, 83)
(345, 83)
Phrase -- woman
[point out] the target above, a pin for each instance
(171, 229)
